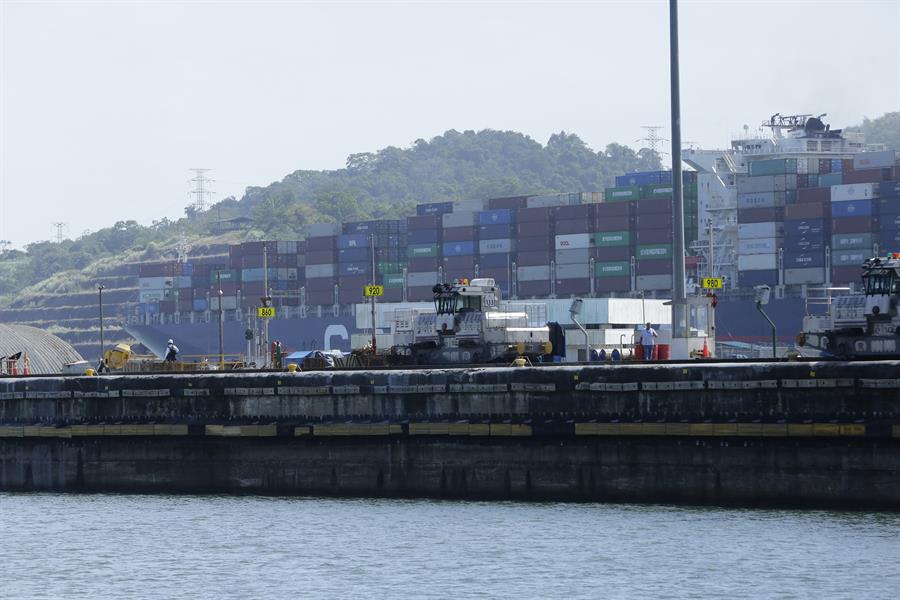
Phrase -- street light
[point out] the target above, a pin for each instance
(100, 289)
(762, 298)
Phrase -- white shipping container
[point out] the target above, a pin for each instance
(421, 279)
(760, 200)
(759, 245)
(500, 246)
(323, 229)
(466, 218)
(576, 271)
(228, 302)
(804, 276)
(156, 283)
(469, 205)
(812, 166)
(574, 256)
(313, 271)
(547, 201)
(854, 191)
(769, 229)
(755, 185)
(757, 262)
(151, 295)
(573, 240)
(654, 282)
(874, 160)
(536, 273)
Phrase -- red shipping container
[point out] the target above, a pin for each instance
(530, 289)
(612, 253)
(320, 298)
(321, 257)
(654, 236)
(321, 243)
(535, 228)
(253, 288)
(649, 206)
(533, 244)
(613, 209)
(350, 289)
(613, 222)
(252, 261)
(866, 176)
(534, 258)
(816, 194)
(807, 210)
(761, 215)
(572, 226)
(460, 234)
(847, 165)
(529, 215)
(854, 225)
(460, 262)
(423, 222)
(392, 294)
(802, 180)
(612, 284)
(229, 288)
(423, 265)
(653, 221)
(420, 294)
(575, 211)
(320, 284)
(654, 267)
(573, 287)
(846, 274)
(511, 202)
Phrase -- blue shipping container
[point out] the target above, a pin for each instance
(836, 165)
(889, 241)
(422, 236)
(200, 304)
(435, 208)
(889, 222)
(502, 216)
(751, 278)
(353, 240)
(354, 268)
(808, 227)
(496, 232)
(346, 255)
(803, 260)
(187, 269)
(489, 261)
(459, 248)
(851, 208)
(800, 244)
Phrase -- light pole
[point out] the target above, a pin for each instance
(221, 323)
(100, 289)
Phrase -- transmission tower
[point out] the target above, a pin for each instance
(653, 140)
(201, 191)
(59, 231)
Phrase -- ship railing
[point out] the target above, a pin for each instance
(820, 299)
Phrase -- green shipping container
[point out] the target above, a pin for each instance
(622, 193)
(654, 251)
(612, 238)
(390, 267)
(657, 190)
(225, 274)
(423, 251)
(393, 280)
(612, 269)
(775, 166)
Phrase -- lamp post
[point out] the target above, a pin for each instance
(100, 289)
(221, 323)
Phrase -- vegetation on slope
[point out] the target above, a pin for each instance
(383, 184)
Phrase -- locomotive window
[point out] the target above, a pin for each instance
(878, 284)
(471, 304)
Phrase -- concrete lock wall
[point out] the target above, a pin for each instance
(815, 433)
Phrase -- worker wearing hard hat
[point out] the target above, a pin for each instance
(171, 351)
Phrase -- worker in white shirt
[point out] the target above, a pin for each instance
(648, 342)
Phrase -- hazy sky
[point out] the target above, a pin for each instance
(106, 105)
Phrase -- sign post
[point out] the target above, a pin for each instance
(711, 283)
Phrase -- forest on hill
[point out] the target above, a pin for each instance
(383, 184)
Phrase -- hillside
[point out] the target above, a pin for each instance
(883, 130)
(387, 183)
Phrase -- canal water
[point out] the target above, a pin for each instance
(121, 546)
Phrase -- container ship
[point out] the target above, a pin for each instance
(798, 207)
